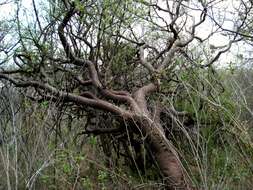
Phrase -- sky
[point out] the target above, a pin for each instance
(8, 9)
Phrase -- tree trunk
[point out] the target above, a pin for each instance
(165, 156)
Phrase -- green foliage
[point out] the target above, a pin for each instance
(66, 168)
(44, 104)
(86, 183)
(93, 140)
(102, 178)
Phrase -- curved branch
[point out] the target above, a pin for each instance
(144, 62)
(217, 56)
(62, 37)
(101, 131)
(141, 93)
(69, 97)
(64, 41)
(115, 95)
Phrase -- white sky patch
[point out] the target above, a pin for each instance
(7, 10)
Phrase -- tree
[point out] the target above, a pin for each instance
(123, 58)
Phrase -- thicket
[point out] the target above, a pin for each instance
(124, 95)
(44, 146)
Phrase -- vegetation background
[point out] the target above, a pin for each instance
(113, 94)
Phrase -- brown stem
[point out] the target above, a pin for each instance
(140, 96)
(165, 155)
(70, 97)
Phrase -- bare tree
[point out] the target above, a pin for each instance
(120, 58)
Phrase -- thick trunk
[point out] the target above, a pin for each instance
(165, 155)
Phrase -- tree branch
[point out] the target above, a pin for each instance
(101, 131)
(140, 96)
(69, 97)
